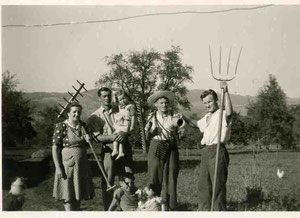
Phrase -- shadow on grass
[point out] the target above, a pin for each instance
(140, 166)
(231, 206)
(236, 206)
(185, 206)
(272, 202)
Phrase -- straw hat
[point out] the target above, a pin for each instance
(161, 94)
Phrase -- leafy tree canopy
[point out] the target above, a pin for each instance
(141, 73)
(16, 113)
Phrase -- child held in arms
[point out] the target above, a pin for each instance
(125, 121)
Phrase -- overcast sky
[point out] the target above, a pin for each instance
(52, 58)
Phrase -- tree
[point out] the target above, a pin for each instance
(238, 130)
(134, 72)
(173, 74)
(16, 113)
(268, 117)
(44, 125)
(295, 110)
(140, 73)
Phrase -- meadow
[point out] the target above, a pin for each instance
(249, 172)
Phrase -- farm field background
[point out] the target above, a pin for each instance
(278, 194)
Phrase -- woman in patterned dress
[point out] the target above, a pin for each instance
(73, 181)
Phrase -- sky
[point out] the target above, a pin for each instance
(52, 58)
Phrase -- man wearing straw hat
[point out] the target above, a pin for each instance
(101, 122)
(208, 125)
(163, 157)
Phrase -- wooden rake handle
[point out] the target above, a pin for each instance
(109, 187)
(218, 149)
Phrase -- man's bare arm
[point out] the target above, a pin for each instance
(228, 104)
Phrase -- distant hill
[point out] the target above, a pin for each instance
(239, 102)
(90, 101)
(40, 100)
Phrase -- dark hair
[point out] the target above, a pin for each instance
(103, 89)
(73, 104)
(209, 92)
(125, 175)
(120, 93)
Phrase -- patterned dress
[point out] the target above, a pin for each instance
(78, 184)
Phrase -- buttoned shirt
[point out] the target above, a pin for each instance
(167, 124)
(106, 116)
(209, 124)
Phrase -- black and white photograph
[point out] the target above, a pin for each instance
(158, 108)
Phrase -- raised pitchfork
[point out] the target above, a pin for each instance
(221, 78)
(87, 138)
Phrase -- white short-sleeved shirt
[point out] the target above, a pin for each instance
(210, 128)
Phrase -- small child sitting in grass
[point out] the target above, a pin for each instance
(125, 197)
(152, 201)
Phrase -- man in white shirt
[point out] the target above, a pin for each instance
(163, 157)
(208, 125)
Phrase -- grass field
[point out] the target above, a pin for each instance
(278, 194)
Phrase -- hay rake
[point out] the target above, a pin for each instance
(73, 98)
(141, 122)
(221, 78)
(87, 138)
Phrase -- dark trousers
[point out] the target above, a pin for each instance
(112, 168)
(207, 168)
(164, 173)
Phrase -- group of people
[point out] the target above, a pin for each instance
(110, 128)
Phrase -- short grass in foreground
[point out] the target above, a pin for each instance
(279, 194)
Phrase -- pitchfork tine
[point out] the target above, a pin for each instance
(238, 60)
(220, 60)
(210, 59)
(228, 61)
(211, 67)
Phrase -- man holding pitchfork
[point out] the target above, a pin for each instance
(210, 126)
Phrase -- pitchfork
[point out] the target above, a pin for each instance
(87, 138)
(221, 78)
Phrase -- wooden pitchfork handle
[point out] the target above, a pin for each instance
(218, 149)
(87, 138)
